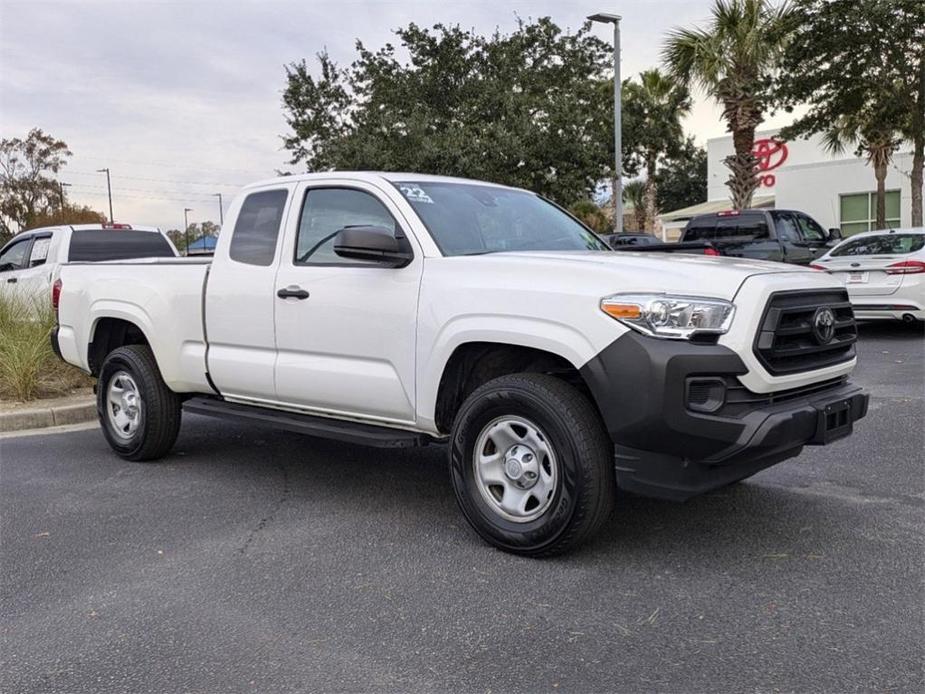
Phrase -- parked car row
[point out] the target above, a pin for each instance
(883, 271)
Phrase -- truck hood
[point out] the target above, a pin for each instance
(697, 275)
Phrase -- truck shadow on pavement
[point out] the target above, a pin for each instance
(406, 492)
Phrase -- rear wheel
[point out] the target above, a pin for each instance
(532, 465)
(139, 414)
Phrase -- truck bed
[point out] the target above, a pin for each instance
(162, 296)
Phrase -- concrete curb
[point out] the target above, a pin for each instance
(43, 417)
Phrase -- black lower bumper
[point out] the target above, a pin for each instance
(665, 449)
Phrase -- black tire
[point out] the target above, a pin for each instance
(159, 413)
(583, 495)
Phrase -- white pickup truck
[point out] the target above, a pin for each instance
(402, 309)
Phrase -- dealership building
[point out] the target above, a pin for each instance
(838, 190)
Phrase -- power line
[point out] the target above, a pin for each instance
(164, 180)
(171, 165)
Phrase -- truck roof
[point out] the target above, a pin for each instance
(372, 177)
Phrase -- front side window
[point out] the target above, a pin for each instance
(858, 212)
(810, 229)
(256, 231)
(786, 227)
(14, 256)
(884, 244)
(328, 210)
(470, 219)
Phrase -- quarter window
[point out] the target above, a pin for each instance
(257, 229)
(328, 210)
(39, 251)
(859, 212)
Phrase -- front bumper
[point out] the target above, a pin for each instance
(667, 450)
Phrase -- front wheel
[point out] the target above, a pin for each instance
(532, 465)
(139, 414)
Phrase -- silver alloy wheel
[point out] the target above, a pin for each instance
(515, 468)
(124, 405)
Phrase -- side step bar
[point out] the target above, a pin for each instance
(324, 427)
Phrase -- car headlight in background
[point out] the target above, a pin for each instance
(673, 317)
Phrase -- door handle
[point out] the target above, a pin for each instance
(292, 292)
(11, 280)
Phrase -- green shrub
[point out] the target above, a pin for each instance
(28, 367)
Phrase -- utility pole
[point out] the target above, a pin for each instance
(109, 188)
(186, 210)
(61, 186)
(608, 18)
(221, 213)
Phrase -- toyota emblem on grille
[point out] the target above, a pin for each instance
(824, 325)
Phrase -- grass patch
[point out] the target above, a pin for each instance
(28, 367)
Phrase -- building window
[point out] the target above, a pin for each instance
(859, 212)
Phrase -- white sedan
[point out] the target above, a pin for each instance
(883, 271)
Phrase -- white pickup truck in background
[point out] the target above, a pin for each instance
(30, 261)
(402, 309)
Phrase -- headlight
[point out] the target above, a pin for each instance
(673, 317)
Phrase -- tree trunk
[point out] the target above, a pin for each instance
(742, 181)
(650, 193)
(880, 161)
(918, 147)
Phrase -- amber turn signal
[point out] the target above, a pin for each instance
(615, 310)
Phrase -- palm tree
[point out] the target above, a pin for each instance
(733, 61)
(634, 192)
(873, 135)
(661, 101)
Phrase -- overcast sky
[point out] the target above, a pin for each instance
(183, 99)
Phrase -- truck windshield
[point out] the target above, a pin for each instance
(470, 219)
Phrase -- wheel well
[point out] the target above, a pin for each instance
(110, 334)
(476, 363)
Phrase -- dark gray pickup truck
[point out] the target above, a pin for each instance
(786, 236)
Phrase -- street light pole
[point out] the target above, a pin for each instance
(186, 210)
(108, 188)
(221, 213)
(607, 18)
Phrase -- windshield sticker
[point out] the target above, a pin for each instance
(415, 193)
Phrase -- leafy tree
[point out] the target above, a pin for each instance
(635, 192)
(196, 231)
(532, 108)
(592, 215)
(734, 61)
(27, 185)
(68, 214)
(682, 180)
(657, 103)
(859, 65)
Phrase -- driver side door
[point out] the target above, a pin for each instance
(345, 329)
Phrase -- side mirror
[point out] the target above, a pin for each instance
(835, 234)
(371, 243)
(7, 267)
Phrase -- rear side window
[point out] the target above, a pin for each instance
(39, 253)
(91, 245)
(257, 229)
(887, 244)
(700, 230)
(745, 227)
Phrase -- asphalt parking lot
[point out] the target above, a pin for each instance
(253, 560)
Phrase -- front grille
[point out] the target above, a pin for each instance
(740, 401)
(787, 341)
